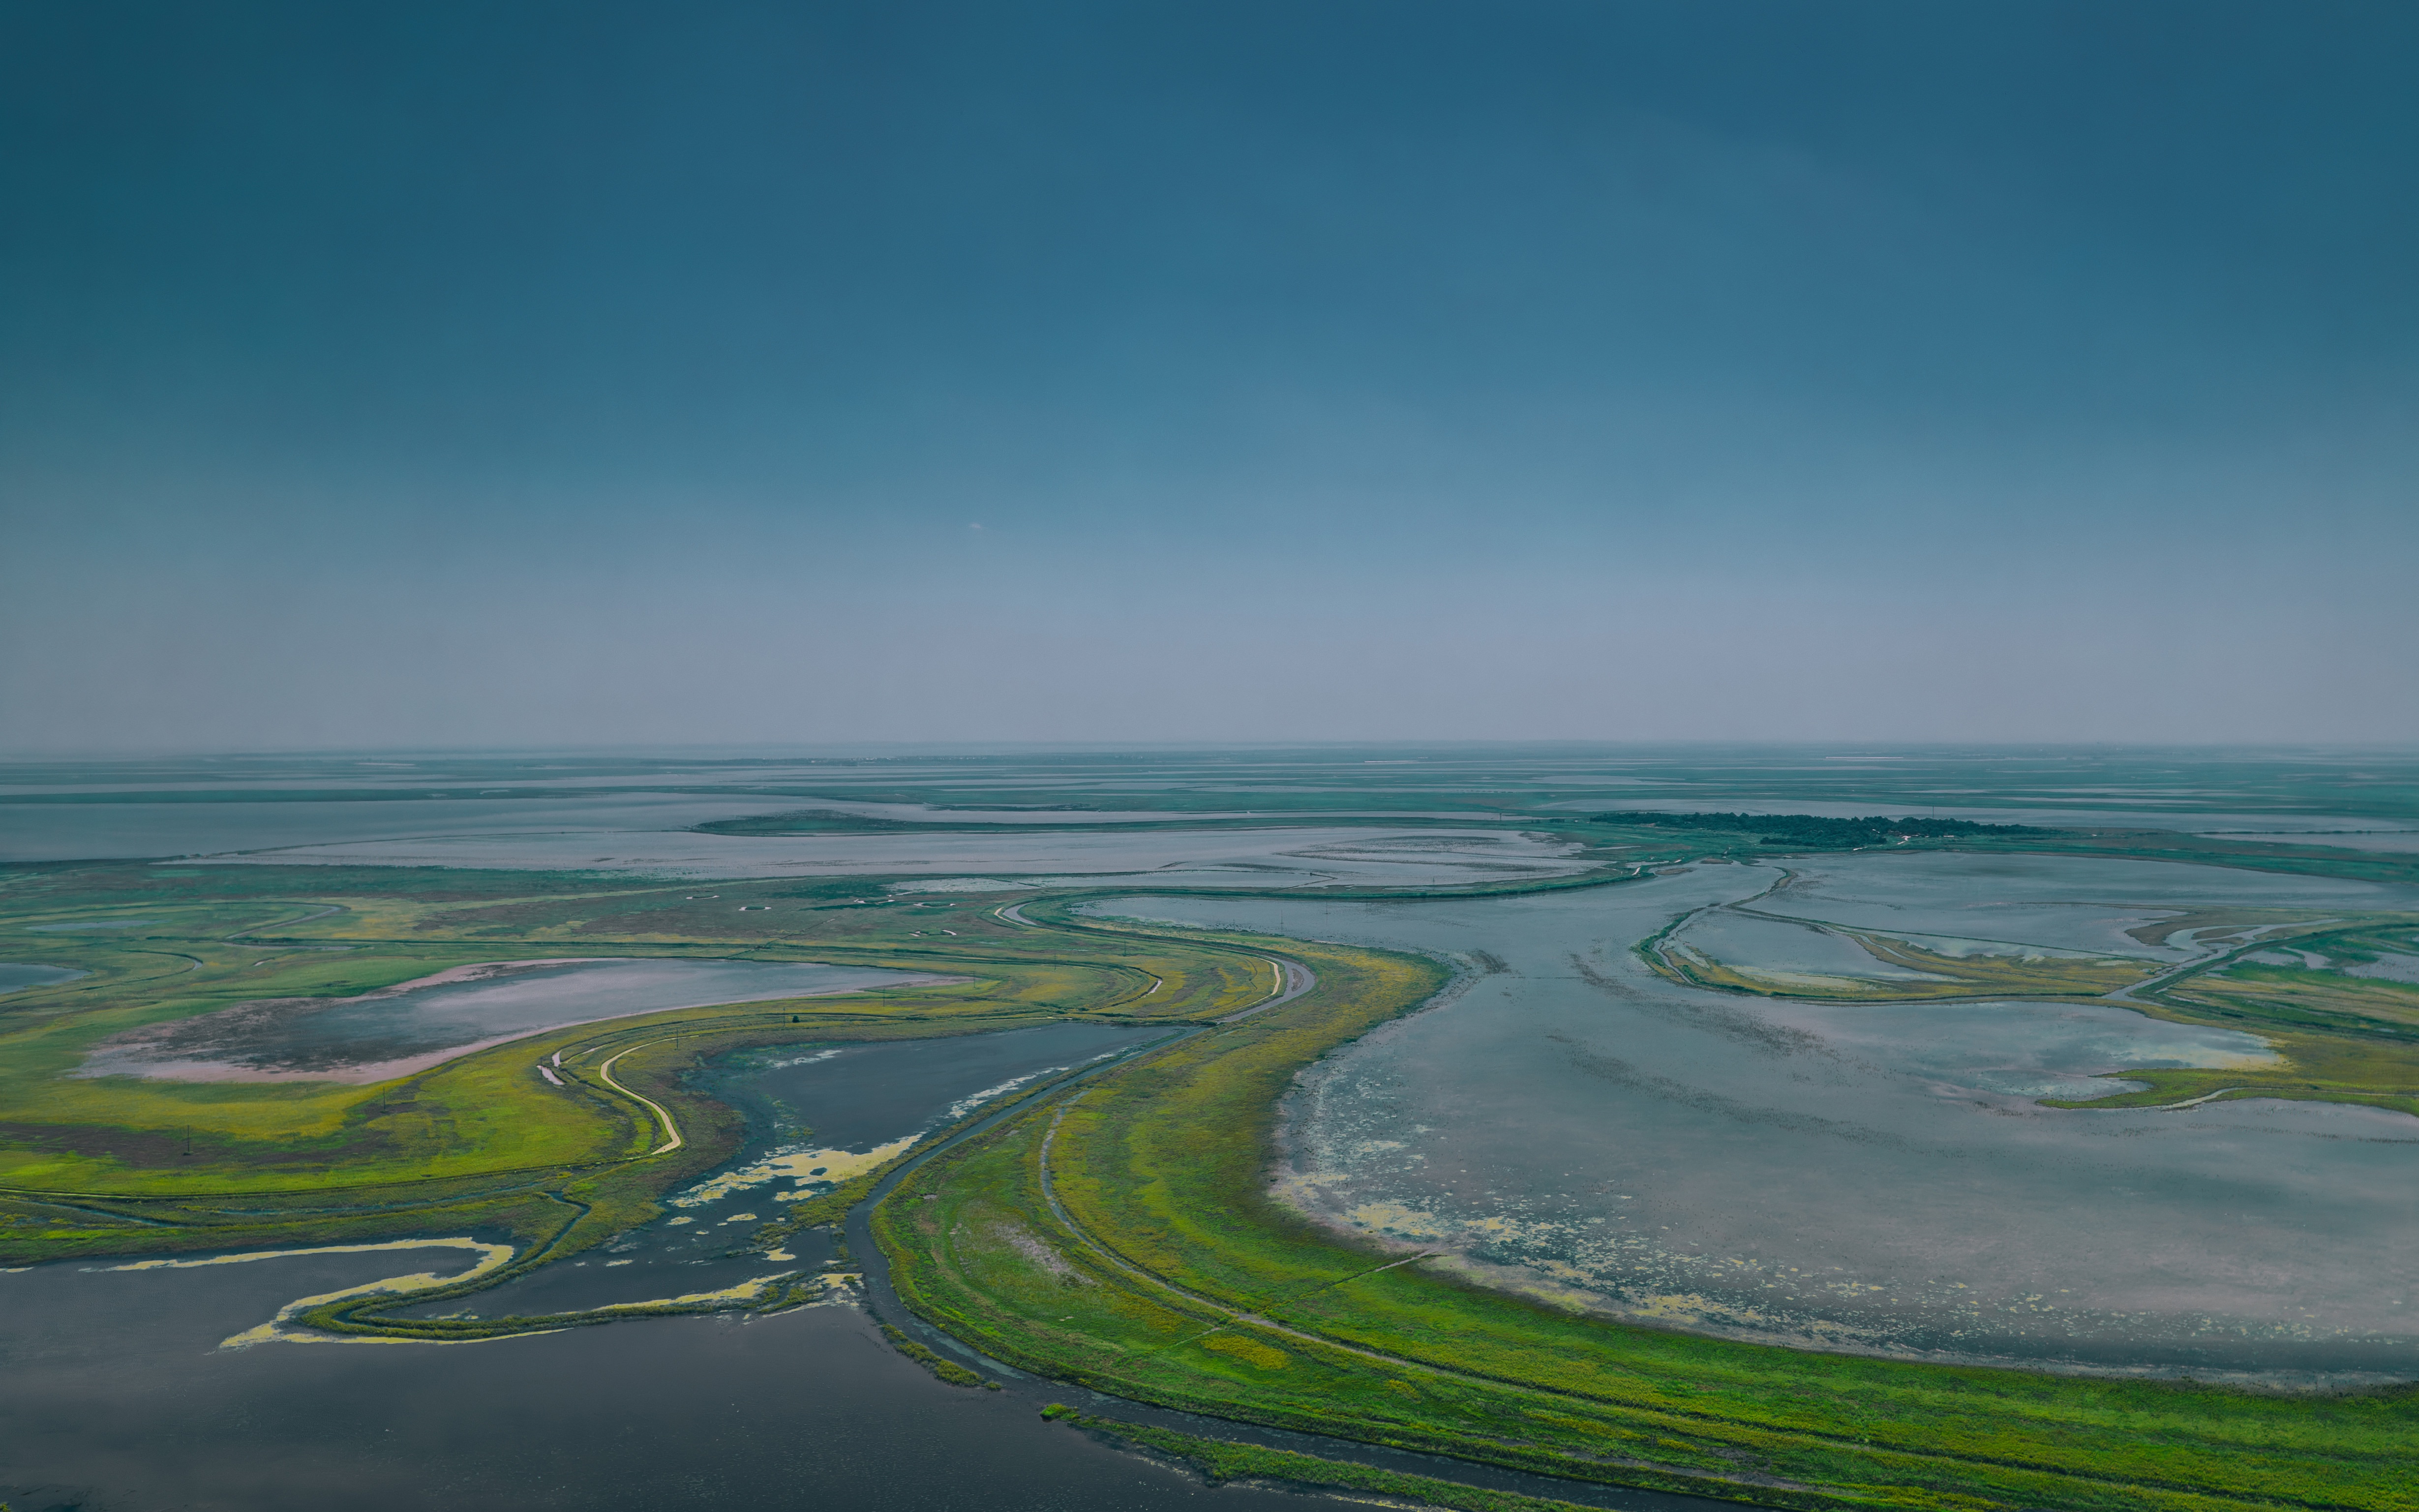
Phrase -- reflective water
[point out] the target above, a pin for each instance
(2063, 901)
(117, 1398)
(641, 817)
(1854, 1175)
(1772, 945)
(414, 1024)
(839, 1100)
(15, 976)
(1275, 857)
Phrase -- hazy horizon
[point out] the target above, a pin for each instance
(594, 375)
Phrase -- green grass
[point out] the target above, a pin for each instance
(1172, 1278)
(1162, 1270)
(1219, 1461)
(948, 1370)
(1951, 977)
(119, 1164)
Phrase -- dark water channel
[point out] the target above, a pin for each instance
(115, 1394)
(851, 1097)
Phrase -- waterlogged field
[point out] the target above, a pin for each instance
(301, 982)
(1126, 1239)
(382, 1035)
(117, 1395)
(1862, 1174)
(1669, 1147)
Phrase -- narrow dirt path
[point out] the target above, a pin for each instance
(605, 1074)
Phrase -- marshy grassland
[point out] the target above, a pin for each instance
(1123, 1238)
(2341, 1037)
(1114, 1229)
(119, 1164)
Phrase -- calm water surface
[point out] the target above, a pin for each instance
(118, 1398)
(472, 1006)
(845, 1098)
(1864, 1177)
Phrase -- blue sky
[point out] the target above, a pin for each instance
(473, 374)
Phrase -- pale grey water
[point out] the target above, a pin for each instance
(320, 1033)
(2064, 902)
(2388, 968)
(1772, 945)
(1306, 856)
(651, 833)
(1856, 1176)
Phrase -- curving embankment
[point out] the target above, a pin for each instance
(673, 1139)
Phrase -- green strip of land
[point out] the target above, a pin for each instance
(1124, 1239)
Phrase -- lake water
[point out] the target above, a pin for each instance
(1863, 1177)
(401, 1028)
(564, 826)
(117, 1395)
(15, 976)
(861, 1099)
(117, 1398)
(2068, 902)
(1773, 945)
(1287, 856)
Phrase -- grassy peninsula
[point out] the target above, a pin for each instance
(1123, 1238)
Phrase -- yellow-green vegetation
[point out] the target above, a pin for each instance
(1123, 1237)
(2336, 1036)
(117, 1164)
(1220, 1460)
(2326, 994)
(1115, 1229)
(1978, 973)
(2339, 1038)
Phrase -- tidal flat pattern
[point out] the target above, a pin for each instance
(1858, 1176)
(400, 1029)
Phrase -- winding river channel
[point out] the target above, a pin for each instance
(118, 1391)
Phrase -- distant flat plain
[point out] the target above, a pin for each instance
(1684, 1076)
